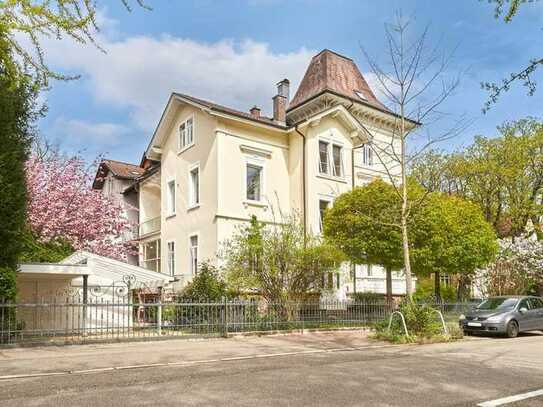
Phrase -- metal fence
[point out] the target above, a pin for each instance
(73, 321)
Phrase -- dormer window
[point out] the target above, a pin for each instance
(360, 95)
(186, 134)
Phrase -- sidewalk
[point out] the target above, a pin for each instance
(50, 360)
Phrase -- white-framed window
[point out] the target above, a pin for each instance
(254, 181)
(193, 254)
(331, 158)
(337, 160)
(171, 258)
(170, 196)
(151, 255)
(369, 270)
(445, 279)
(323, 206)
(360, 95)
(194, 186)
(323, 157)
(367, 154)
(186, 134)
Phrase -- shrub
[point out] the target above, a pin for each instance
(423, 325)
(425, 292)
(369, 298)
(207, 285)
(421, 319)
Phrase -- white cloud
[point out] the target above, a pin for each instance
(139, 73)
(84, 133)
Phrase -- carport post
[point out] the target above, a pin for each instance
(85, 300)
(159, 313)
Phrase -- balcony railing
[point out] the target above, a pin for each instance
(150, 226)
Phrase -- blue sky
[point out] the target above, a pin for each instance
(233, 52)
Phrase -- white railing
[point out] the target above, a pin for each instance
(150, 226)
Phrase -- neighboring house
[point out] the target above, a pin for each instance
(209, 168)
(113, 178)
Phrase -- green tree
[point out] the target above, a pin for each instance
(363, 223)
(453, 237)
(279, 260)
(503, 175)
(18, 113)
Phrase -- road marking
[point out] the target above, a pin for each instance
(194, 362)
(511, 399)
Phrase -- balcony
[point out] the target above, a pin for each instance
(149, 227)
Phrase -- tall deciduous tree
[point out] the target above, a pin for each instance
(62, 207)
(503, 175)
(414, 81)
(453, 237)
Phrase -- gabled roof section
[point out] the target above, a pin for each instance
(329, 71)
(209, 107)
(228, 110)
(119, 169)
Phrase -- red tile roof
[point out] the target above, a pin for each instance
(329, 71)
(123, 170)
(119, 169)
(221, 108)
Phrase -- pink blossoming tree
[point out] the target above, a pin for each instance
(63, 207)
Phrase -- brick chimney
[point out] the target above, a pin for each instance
(280, 101)
(255, 112)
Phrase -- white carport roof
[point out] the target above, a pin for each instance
(30, 270)
(107, 268)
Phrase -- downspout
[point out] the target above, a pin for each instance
(304, 204)
(353, 266)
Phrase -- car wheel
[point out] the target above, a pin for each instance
(512, 329)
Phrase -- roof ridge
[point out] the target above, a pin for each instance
(333, 52)
(120, 162)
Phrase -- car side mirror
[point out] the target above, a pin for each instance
(523, 310)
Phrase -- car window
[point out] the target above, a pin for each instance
(498, 303)
(524, 304)
(536, 303)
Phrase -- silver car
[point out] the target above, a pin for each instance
(507, 315)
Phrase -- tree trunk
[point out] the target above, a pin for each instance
(353, 270)
(404, 213)
(389, 284)
(437, 287)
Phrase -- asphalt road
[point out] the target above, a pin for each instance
(338, 373)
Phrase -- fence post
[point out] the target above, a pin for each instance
(224, 318)
(159, 317)
(85, 301)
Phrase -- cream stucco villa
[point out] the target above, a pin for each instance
(208, 167)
